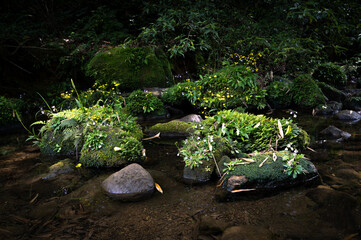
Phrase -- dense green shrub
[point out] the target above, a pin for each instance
(306, 92)
(242, 133)
(330, 73)
(176, 95)
(278, 93)
(132, 68)
(140, 102)
(67, 131)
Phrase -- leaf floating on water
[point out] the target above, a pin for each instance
(117, 149)
(280, 129)
(243, 190)
(159, 189)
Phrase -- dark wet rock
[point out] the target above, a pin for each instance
(199, 174)
(211, 226)
(173, 128)
(328, 108)
(332, 93)
(235, 182)
(131, 183)
(335, 206)
(247, 232)
(262, 173)
(174, 111)
(332, 132)
(61, 167)
(348, 115)
(191, 118)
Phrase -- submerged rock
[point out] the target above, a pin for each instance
(191, 118)
(328, 108)
(247, 232)
(333, 132)
(131, 183)
(61, 167)
(197, 174)
(348, 115)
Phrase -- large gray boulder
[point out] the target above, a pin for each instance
(191, 118)
(348, 115)
(332, 132)
(131, 183)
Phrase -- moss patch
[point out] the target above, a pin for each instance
(269, 174)
(132, 68)
(128, 149)
(172, 127)
(306, 92)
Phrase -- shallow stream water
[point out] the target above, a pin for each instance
(74, 207)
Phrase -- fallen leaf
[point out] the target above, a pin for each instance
(159, 189)
(280, 129)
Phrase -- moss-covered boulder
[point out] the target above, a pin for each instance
(267, 171)
(174, 128)
(131, 68)
(53, 143)
(62, 167)
(306, 92)
(111, 147)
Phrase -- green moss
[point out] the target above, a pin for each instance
(132, 68)
(174, 126)
(330, 73)
(270, 172)
(53, 143)
(306, 92)
(129, 149)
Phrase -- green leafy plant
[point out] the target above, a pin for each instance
(140, 102)
(292, 164)
(279, 93)
(95, 140)
(330, 73)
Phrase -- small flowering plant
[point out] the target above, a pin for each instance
(292, 163)
(196, 150)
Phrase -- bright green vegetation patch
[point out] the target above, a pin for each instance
(110, 148)
(268, 168)
(132, 68)
(330, 73)
(70, 131)
(306, 92)
(174, 126)
(230, 87)
(248, 132)
(240, 133)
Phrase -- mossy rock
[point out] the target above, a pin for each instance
(306, 92)
(62, 167)
(132, 68)
(174, 128)
(52, 143)
(119, 148)
(265, 173)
